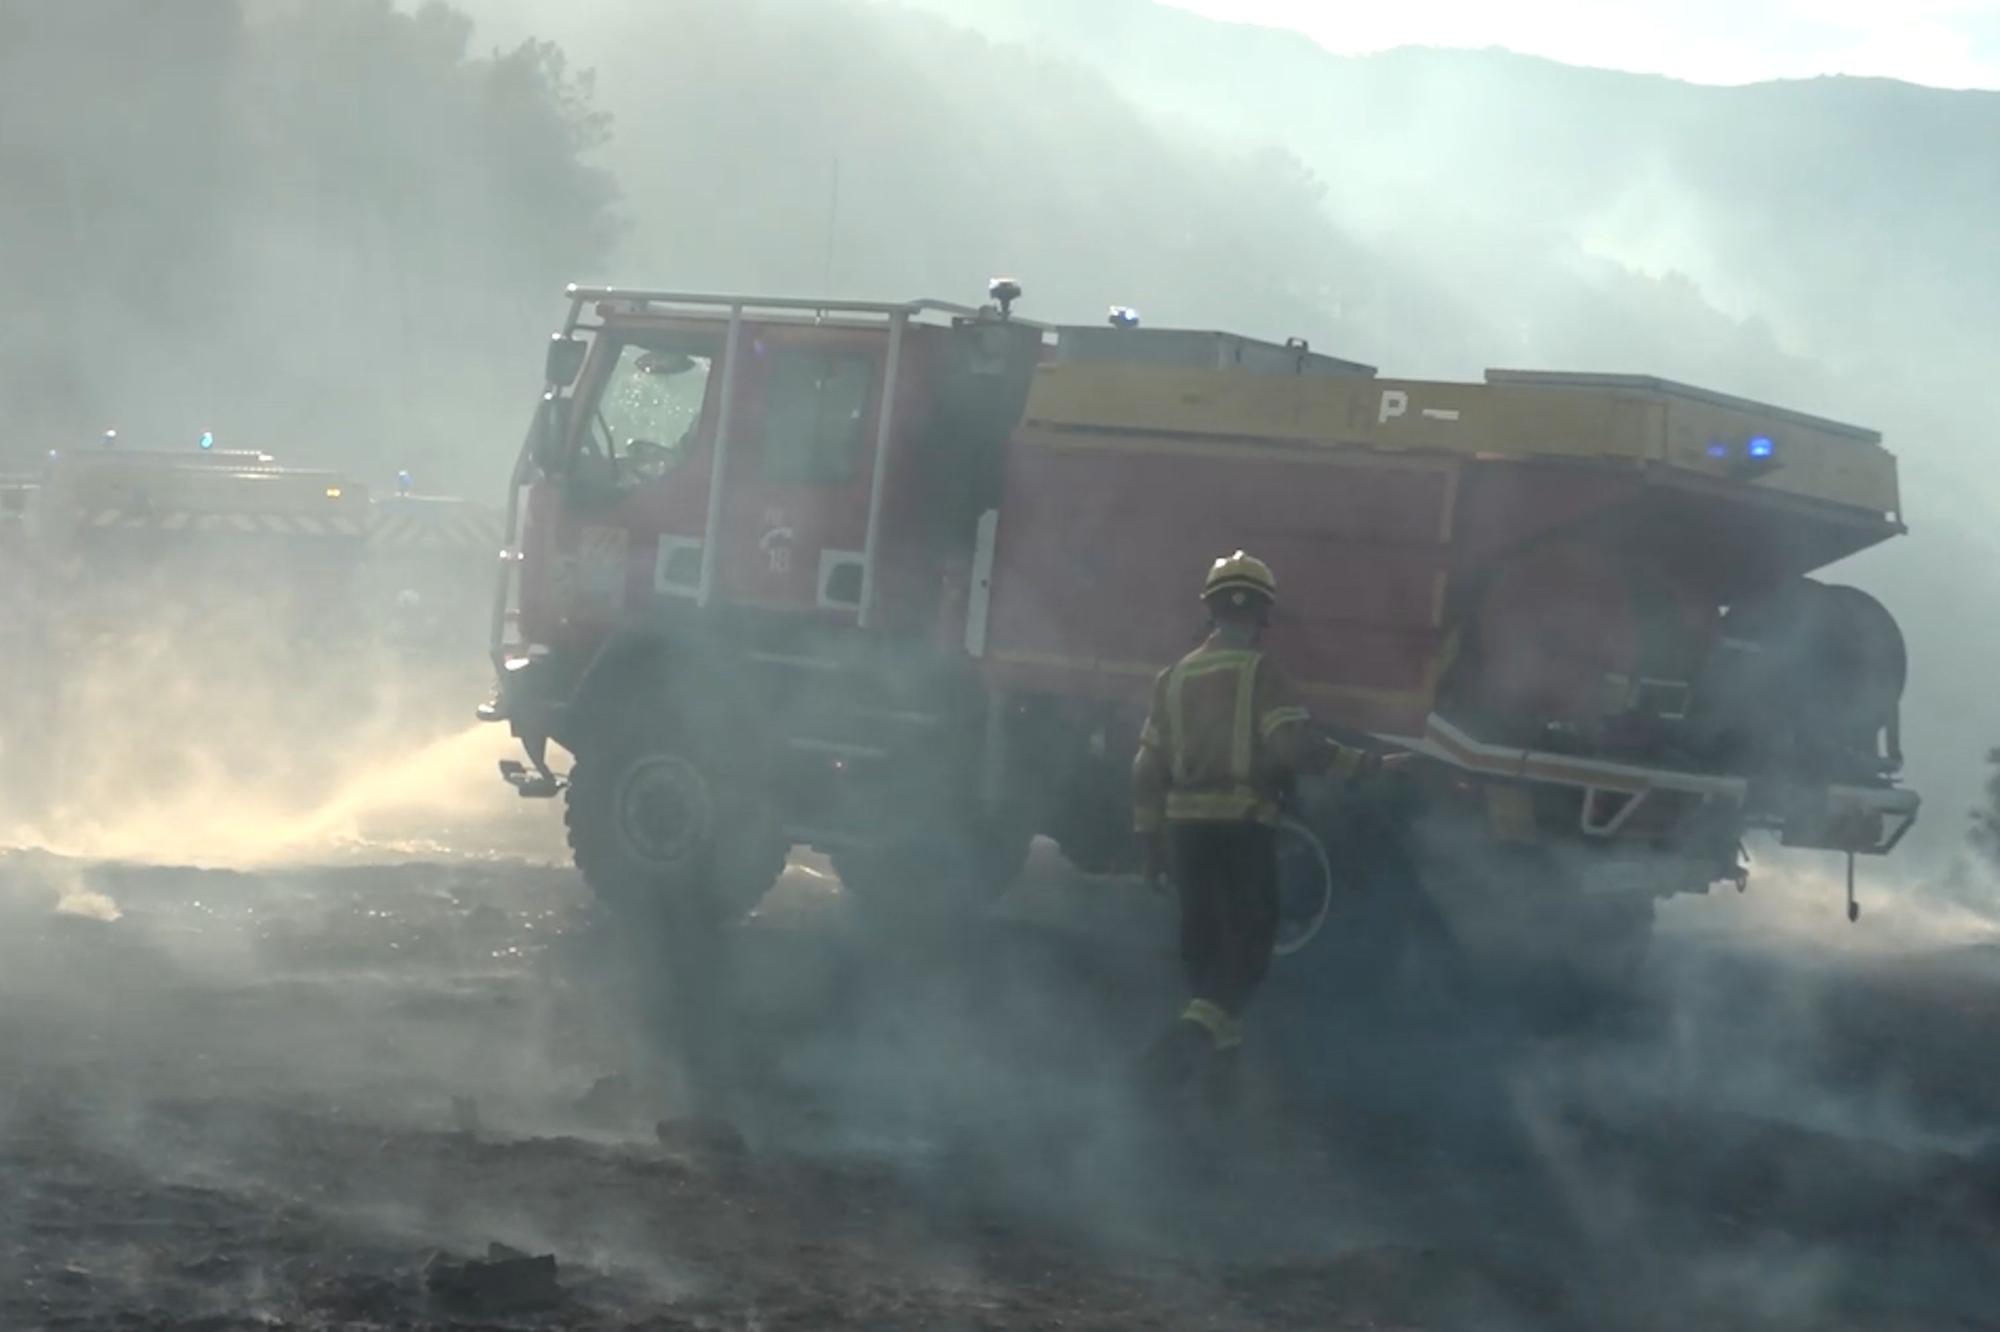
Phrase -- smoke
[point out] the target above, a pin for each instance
(436, 801)
(200, 715)
(355, 942)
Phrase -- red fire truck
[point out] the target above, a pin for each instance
(892, 580)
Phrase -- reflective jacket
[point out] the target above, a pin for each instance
(1225, 732)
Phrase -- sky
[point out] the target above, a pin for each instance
(1942, 43)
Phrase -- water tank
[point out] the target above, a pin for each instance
(1809, 681)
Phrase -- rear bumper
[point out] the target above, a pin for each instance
(1864, 820)
(1621, 799)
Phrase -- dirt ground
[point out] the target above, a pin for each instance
(303, 1097)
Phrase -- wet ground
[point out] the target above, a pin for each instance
(311, 1096)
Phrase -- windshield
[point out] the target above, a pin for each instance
(650, 412)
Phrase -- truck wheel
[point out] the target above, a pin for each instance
(1351, 917)
(655, 823)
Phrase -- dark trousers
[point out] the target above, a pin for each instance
(1227, 878)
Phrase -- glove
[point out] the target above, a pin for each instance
(1153, 863)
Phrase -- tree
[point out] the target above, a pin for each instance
(1985, 833)
(328, 229)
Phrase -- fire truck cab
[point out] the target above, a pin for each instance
(748, 543)
(893, 579)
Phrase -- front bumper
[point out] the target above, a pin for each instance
(527, 695)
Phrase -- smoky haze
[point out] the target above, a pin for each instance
(338, 230)
(330, 232)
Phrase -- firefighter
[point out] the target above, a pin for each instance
(1225, 734)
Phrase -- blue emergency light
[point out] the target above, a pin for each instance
(207, 440)
(1758, 448)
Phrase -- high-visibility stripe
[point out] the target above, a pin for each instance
(1244, 730)
(1207, 1015)
(1281, 717)
(1177, 721)
(478, 532)
(252, 524)
(1214, 661)
(1231, 806)
(418, 531)
(1225, 1031)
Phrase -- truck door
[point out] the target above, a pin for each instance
(798, 469)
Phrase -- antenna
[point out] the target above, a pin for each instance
(832, 216)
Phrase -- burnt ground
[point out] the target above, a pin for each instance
(282, 1099)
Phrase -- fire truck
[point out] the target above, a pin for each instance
(119, 533)
(892, 581)
(226, 567)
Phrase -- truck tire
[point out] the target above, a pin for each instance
(660, 822)
(1344, 890)
(1376, 925)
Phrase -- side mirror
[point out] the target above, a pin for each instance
(551, 430)
(564, 361)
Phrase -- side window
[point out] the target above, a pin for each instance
(815, 407)
(652, 403)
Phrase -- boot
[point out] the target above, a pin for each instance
(1167, 1065)
(1222, 1082)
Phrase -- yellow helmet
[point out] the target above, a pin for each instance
(1240, 577)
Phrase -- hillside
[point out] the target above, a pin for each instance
(1846, 216)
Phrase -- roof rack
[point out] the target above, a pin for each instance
(1611, 383)
(817, 306)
